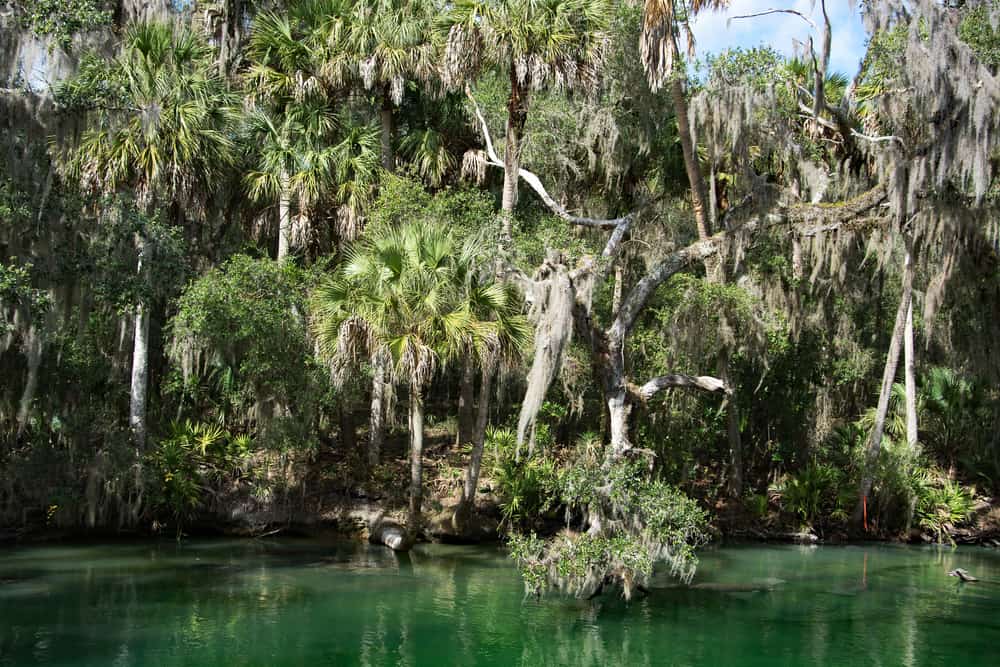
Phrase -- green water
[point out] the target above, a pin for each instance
(299, 602)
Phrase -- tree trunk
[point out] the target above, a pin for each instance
(140, 356)
(33, 347)
(889, 374)
(284, 219)
(348, 432)
(714, 269)
(732, 431)
(376, 431)
(466, 399)
(616, 294)
(908, 368)
(517, 115)
(416, 461)
(618, 411)
(388, 123)
(479, 438)
(798, 271)
(691, 166)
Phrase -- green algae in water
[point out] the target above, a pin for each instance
(300, 602)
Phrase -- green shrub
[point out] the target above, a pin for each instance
(527, 487)
(942, 503)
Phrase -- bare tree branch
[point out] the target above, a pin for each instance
(536, 184)
(703, 382)
(773, 11)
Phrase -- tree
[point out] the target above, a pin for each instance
(402, 295)
(293, 160)
(161, 126)
(499, 304)
(538, 44)
(392, 42)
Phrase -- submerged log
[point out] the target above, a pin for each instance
(962, 574)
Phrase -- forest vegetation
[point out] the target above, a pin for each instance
(535, 268)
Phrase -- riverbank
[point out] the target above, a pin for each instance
(325, 493)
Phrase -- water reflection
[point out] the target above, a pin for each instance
(300, 602)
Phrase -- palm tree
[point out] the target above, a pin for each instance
(293, 161)
(402, 296)
(500, 304)
(540, 44)
(391, 41)
(662, 21)
(161, 127)
(297, 122)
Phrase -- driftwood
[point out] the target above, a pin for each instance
(962, 574)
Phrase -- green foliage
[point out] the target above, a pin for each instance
(16, 291)
(758, 505)
(416, 296)
(812, 493)
(642, 521)
(978, 31)
(61, 20)
(758, 67)
(186, 461)
(163, 117)
(240, 350)
(527, 488)
(942, 503)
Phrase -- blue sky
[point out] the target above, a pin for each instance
(712, 34)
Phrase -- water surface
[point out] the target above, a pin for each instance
(307, 603)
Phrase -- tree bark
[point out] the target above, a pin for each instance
(33, 347)
(713, 267)
(140, 355)
(732, 431)
(388, 124)
(348, 433)
(908, 367)
(691, 166)
(517, 115)
(479, 437)
(466, 398)
(284, 219)
(616, 294)
(376, 431)
(888, 376)
(416, 461)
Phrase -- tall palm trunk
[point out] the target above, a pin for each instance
(388, 123)
(416, 460)
(478, 443)
(140, 355)
(284, 219)
(466, 399)
(33, 347)
(714, 269)
(517, 116)
(732, 431)
(691, 166)
(909, 364)
(888, 376)
(348, 434)
(376, 431)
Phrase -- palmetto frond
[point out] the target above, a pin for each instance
(420, 300)
(661, 20)
(548, 42)
(172, 127)
(427, 152)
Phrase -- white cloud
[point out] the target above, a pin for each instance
(715, 32)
